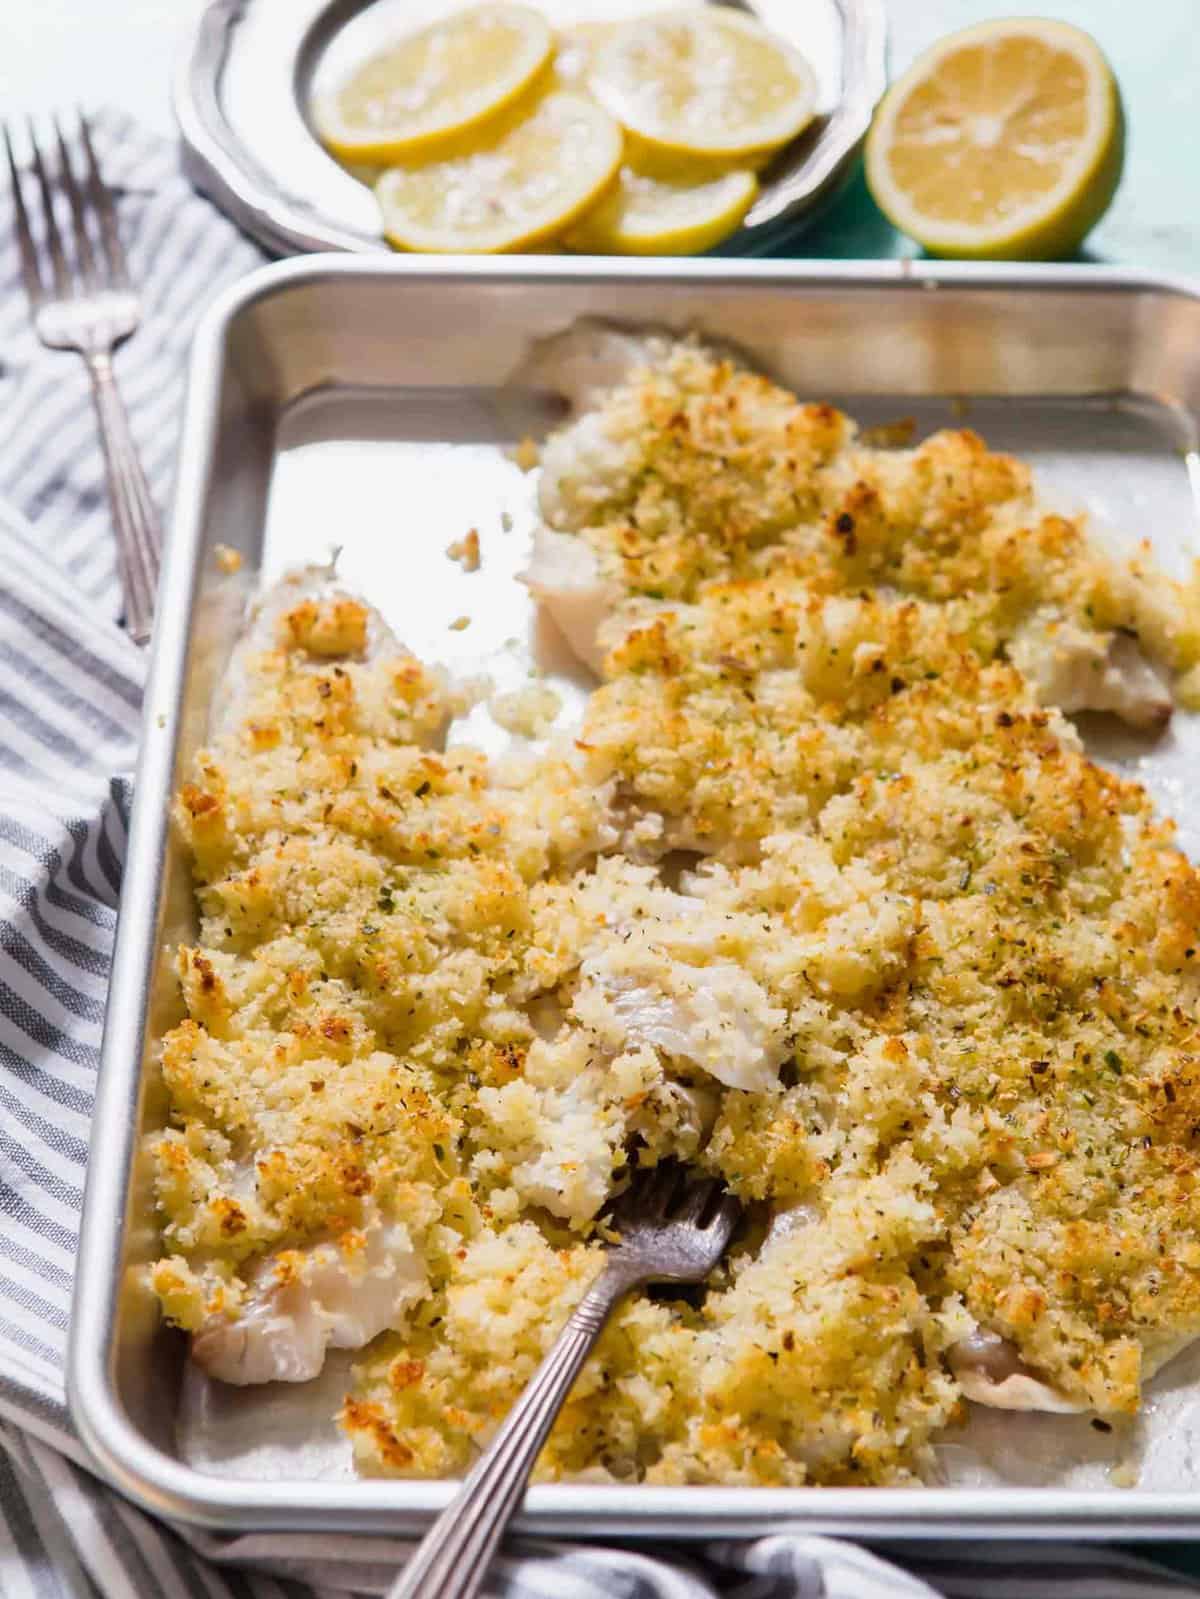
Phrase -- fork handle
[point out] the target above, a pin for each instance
(453, 1557)
(139, 534)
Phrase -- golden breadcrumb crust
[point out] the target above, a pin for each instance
(971, 952)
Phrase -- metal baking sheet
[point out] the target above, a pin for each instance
(252, 66)
(370, 405)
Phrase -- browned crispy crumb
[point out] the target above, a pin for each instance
(326, 628)
(466, 551)
(897, 435)
(526, 453)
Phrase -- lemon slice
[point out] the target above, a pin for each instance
(519, 189)
(435, 85)
(644, 215)
(1004, 141)
(704, 81)
(576, 50)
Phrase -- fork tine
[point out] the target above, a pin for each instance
(101, 197)
(84, 253)
(58, 261)
(724, 1220)
(30, 275)
(696, 1201)
(664, 1185)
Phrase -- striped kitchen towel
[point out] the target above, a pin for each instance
(70, 686)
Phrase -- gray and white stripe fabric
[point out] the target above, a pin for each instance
(70, 687)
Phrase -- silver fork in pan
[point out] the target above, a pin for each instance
(82, 300)
(670, 1231)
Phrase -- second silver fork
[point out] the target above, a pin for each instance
(82, 299)
(669, 1232)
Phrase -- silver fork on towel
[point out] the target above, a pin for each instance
(671, 1230)
(82, 300)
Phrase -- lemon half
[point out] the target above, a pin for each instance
(644, 215)
(435, 85)
(704, 81)
(519, 189)
(1004, 141)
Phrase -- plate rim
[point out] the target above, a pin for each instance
(218, 162)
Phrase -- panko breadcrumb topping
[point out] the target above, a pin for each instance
(824, 897)
(529, 712)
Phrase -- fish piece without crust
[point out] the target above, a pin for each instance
(585, 361)
(301, 1302)
(712, 1016)
(991, 1372)
(564, 576)
(1078, 670)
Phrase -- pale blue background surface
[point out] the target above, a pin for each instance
(61, 52)
(1154, 48)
